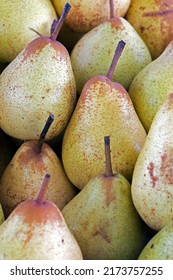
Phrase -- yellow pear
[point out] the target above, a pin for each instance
(17, 19)
(93, 53)
(152, 85)
(103, 219)
(87, 14)
(160, 247)
(103, 108)
(153, 21)
(39, 81)
(36, 230)
(2, 218)
(152, 181)
(24, 173)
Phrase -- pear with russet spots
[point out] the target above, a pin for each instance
(37, 82)
(152, 181)
(36, 230)
(103, 108)
(103, 219)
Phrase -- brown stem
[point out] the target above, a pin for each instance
(108, 157)
(59, 23)
(41, 195)
(111, 5)
(115, 59)
(44, 132)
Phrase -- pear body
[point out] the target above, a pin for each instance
(39, 81)
(103, 108)
(152, 182)
(37, 232)
(25, 172)
(104, 221)
(160, 247)
(152, 85)
(2, 218)
(93, 53)
(87, 14)
(152, 17)
(16, 21)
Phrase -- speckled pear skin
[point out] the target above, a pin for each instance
(152, 85)
(24, 174)
(160, 247)
(153, 21)
(16, 21)
(104, 220)
(93, 53)
(103, 108)
(39, 81)
(37, 232)
(87, 14)
(152, 181)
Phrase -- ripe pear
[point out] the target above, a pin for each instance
(152, 181)
(24, 173)
(87, 14)
(2, 218)
(152, 85)
(17, 19)
(160, 247)
(93, 53)
(152, 17)
(36, 230)
(39, 81)
(103, 219)
(103, 108)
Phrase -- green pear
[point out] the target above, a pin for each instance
(87, 14)
(93, 53)
(152, 85)
(39, 81)
(18, 19)
(160, 247)
(103, 219)
(103, 108)
(36, 230)
(24, 173)
(2, 218)
(152, 181)
(150, 18)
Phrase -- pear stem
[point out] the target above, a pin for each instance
(59, 23)
(117, 54)
(41, 194)
(111, 5)
(108, 157)
(44, 132)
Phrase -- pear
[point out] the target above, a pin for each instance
(17, 19)
(36, 230)
(93, 53)
(103, 219)
(39, 81)
(103, 108)
(152, 17)
(25, 171)
(2, 218)
(152, 181)
(152, 85)
(160, 247)
(87, 14)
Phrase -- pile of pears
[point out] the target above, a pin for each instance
(86, 141)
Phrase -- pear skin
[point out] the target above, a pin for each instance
(152, 17)
(103, 108)
(36, 230)
(17, 21)
(103, 219)
(93, 53)
(24, 174)
(160, 247)
(152, 181)
(2, 218)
